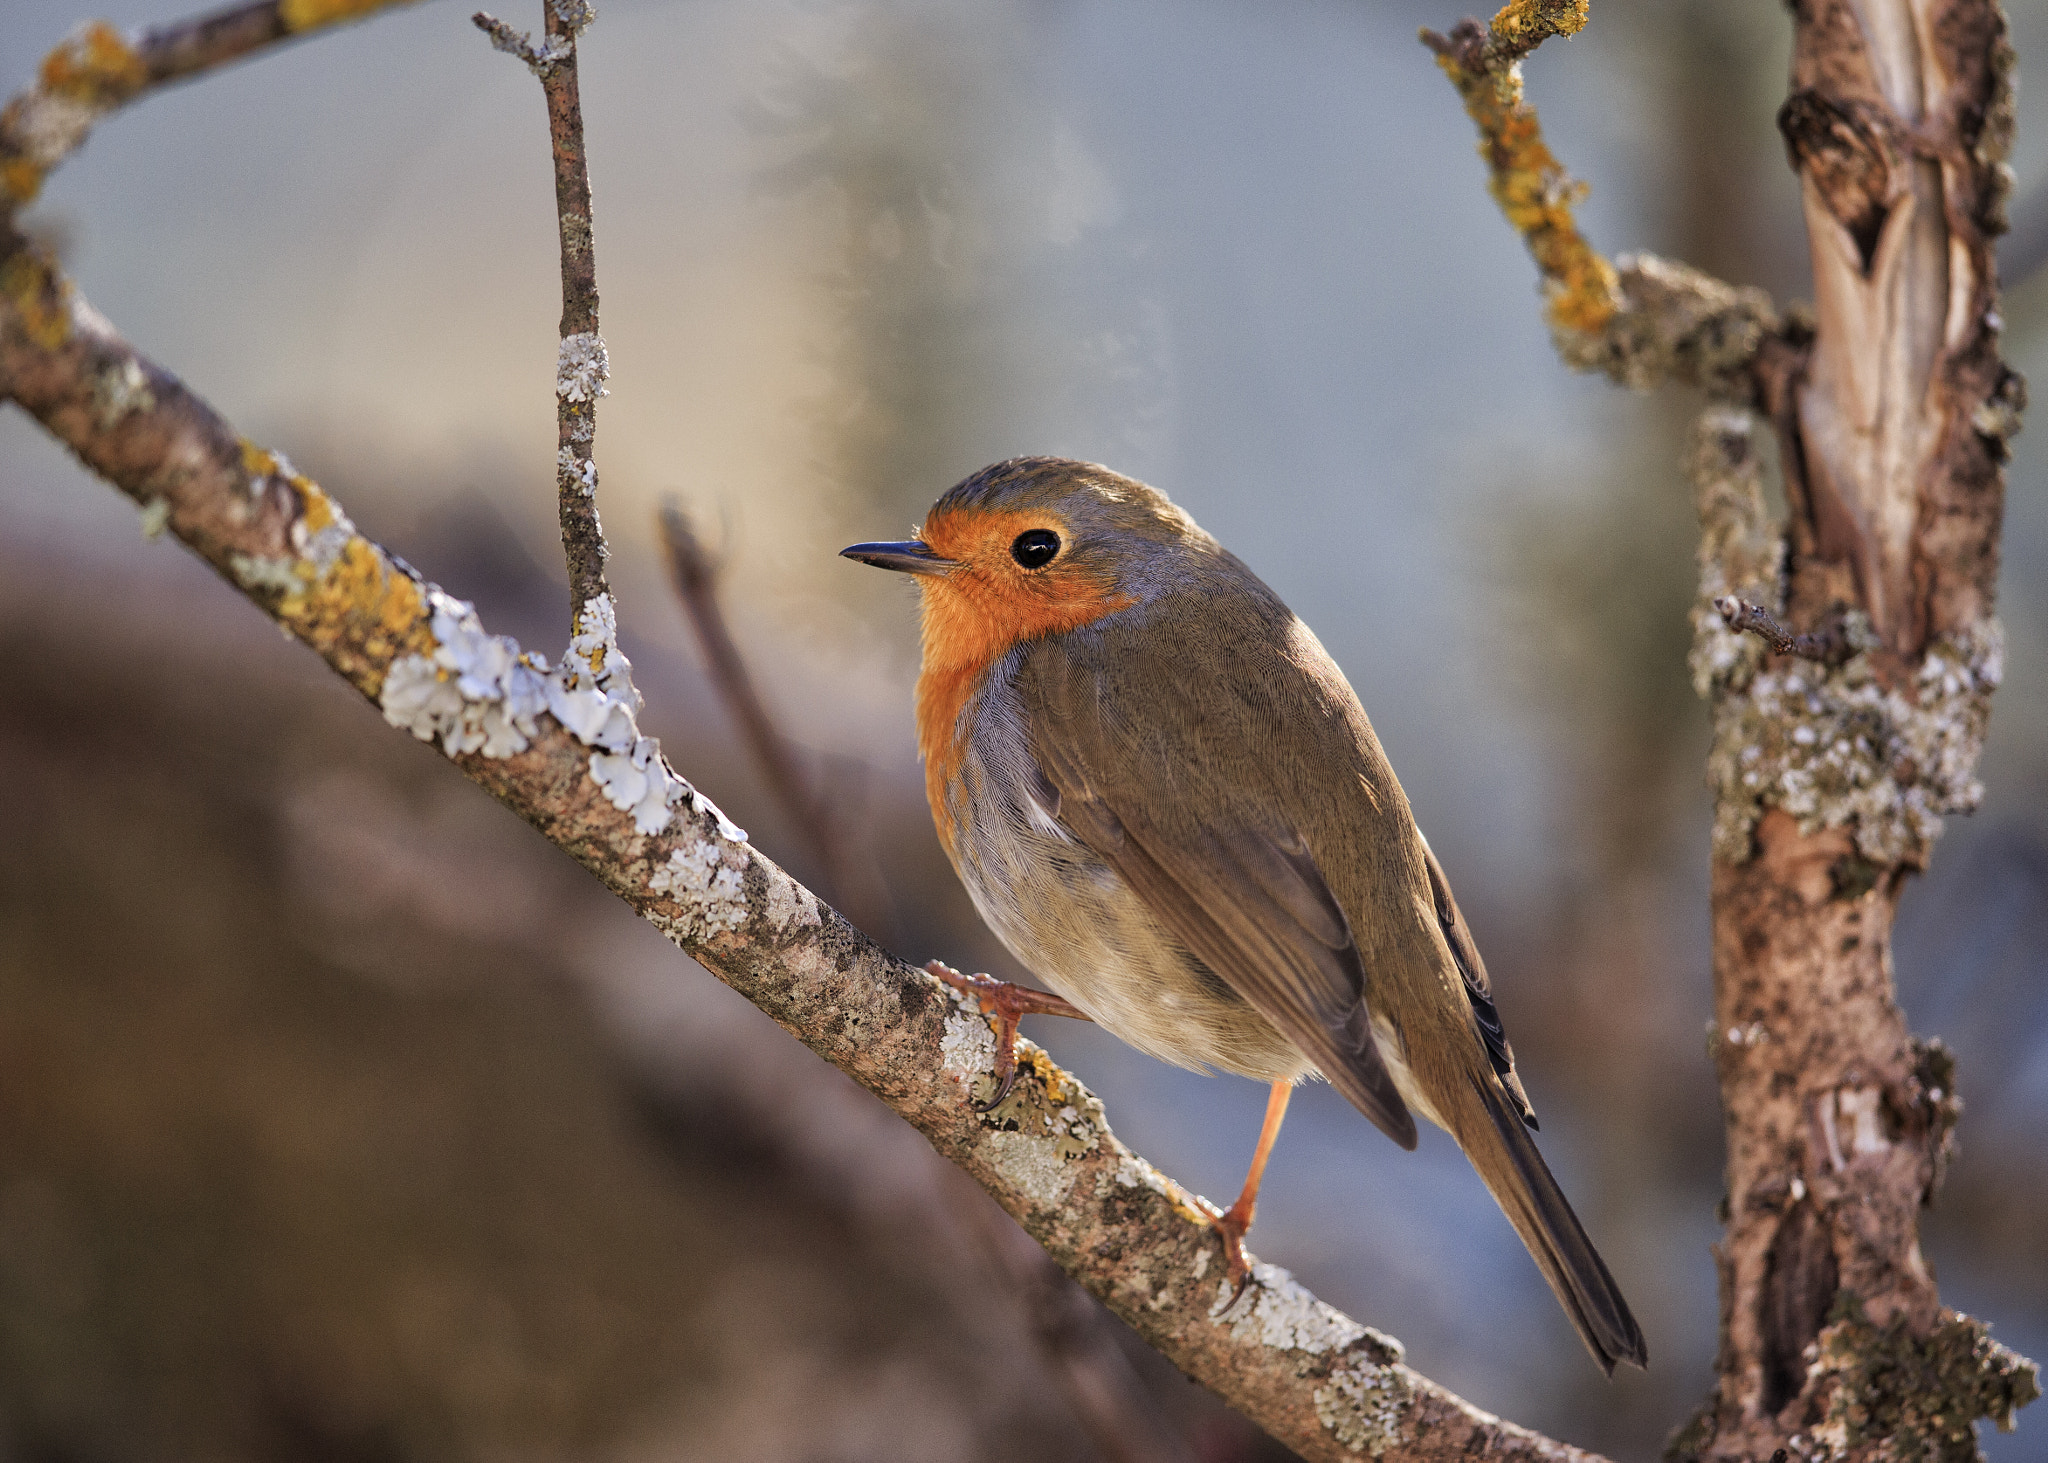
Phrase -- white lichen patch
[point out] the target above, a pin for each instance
(712, 895)
(967, 1048)
(262, 571)
(1835, 749)
(1361, 1406)
(118, 392)
(638, 781)
(478, 692)
(47, 126)
(582, 366)
(321, 547)
(156, 516)
(1282, 1314)
(1033, 1165)
(578, 472)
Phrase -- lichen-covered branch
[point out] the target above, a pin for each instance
(1530, 185)
(99, 69)
(1641, 320)
(582, 363)
(559, 744)
(1843, 735)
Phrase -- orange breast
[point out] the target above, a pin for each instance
(972, 618)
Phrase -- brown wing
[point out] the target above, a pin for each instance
(1239, 890)
(1478, 991)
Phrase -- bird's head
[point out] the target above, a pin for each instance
(1037, 546)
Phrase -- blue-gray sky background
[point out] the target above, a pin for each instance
(850, 252)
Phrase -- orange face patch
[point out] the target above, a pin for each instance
(975, 613)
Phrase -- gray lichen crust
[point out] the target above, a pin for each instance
(1887, 1394)
(1362, 1405)
(1828, 744)
(1835, 749)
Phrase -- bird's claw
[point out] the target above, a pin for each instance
(1001, 1000)
(1230, 1227)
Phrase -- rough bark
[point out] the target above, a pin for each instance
(1838, 746)
(1832, 779)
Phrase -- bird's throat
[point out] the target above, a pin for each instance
(969, 624)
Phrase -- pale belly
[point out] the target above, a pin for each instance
(1074, 923)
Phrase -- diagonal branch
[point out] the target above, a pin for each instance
(570, 760)
(99, 70)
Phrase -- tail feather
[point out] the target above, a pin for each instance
(1506, 1157)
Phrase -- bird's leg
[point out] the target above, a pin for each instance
(1232, 1223)
(1007, 1003)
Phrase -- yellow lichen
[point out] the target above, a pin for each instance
(95, 65)
(40, 296)
(1525, 179)
(1525, 24)
(316, 508)
(360, 603)
(299, 15)
(20, 180)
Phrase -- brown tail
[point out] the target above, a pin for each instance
(1505, 1155)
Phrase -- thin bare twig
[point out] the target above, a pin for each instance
(99, 69)
(856, 884)
(1640, 320)
(1830, 646)
(582, 364)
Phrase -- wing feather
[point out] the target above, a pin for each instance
(1239, 890)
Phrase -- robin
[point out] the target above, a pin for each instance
(1166, 800)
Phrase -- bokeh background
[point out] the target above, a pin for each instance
(342, 1119)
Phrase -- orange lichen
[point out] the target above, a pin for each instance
(20, 179)
(316, 509)
(1525, 179)
(974, 614)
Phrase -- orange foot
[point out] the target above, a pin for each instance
(1230, 1226)
(1007, 1003)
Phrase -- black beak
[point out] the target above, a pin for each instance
(909, 556)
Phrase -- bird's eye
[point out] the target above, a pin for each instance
(1034, 548)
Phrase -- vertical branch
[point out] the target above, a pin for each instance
(1841, 741)
(582, 364)
(1831, 779)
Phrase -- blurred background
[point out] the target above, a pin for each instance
(343, 1119)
